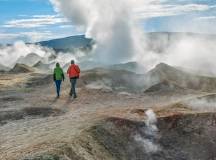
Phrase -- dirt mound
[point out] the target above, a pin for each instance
(30, 59)
(39, 80)
(130, 66)
(115, 80)
(163, 72)
(22, 68)
(211, 98)
(205, 103)
(164, 86)
(125, 139)
(116, 138)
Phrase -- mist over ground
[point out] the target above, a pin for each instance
(120, 39)
(193, 53)
(130, 105)
(20, 52)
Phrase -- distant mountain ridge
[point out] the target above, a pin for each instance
(22, 68)
(68, 43)
(30, 59)
(156, 41)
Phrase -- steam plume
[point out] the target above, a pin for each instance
(110, 23)
(149, 140)
(194, 52)
(113, 26)
(10, 54)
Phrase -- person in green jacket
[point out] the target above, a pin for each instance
(58, 76)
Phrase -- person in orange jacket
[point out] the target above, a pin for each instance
(73, 73)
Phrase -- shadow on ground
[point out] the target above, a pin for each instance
(31, 112)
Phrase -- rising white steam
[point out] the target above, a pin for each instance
(113, 25)
(202, 104)
(104, 85)
(195, 53)
(64, 59)
(110, 23)
(18, 53)
(148, 140)
(10, 54)
(151, 119)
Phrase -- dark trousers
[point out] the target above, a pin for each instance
(58, 87)
(73, 87)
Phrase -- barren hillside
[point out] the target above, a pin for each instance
(109, 120)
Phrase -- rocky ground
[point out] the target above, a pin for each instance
(106, 121)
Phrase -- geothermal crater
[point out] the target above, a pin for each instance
(188, 136)
(118, 115)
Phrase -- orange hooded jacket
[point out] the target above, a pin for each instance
(73, 71)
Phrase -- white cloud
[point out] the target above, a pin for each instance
(66, 26)
(161, 10)
(35, 21)
(38, 36)
(147, 9)
(7, 36)
(33, 36)
(206, 18)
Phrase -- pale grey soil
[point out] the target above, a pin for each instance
(33, 121)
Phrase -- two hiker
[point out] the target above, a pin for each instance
(73, 73)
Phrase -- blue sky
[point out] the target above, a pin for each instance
(36, 20)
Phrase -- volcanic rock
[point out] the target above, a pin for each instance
(22, 68)
(30, 60)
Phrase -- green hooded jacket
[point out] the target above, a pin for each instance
(58, 73)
